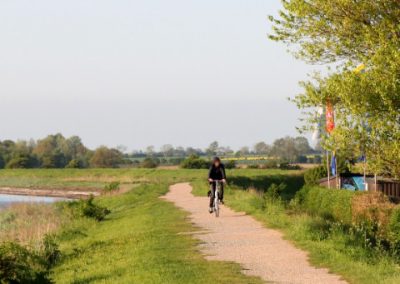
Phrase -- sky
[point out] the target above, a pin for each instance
(146, 72)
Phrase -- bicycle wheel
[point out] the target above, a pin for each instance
(216, 204)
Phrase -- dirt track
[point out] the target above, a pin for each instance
(240, 238)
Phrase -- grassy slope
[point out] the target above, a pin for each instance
(140, 242)
(335, 251)
(88, 249)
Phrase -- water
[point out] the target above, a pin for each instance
(7, 199)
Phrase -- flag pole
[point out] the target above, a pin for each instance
(327, 167)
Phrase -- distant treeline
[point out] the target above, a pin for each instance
(56, 151)
(289, 149)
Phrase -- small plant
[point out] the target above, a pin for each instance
(91, 210)
(51, 252)
(274, 191)
(112, 186)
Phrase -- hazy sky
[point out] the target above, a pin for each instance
(141, 72)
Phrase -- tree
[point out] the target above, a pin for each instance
(150, 151)
(104, 157)
(367, 104)
(212, 149)
(167, 150)
(261, 148)
(285, 148)
(244, 151)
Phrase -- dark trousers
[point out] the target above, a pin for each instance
(212, 195)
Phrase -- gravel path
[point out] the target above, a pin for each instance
(240, 238)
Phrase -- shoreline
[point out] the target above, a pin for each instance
(63, 193)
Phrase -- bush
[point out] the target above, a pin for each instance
(91, 210)
(22, 162)
(51, 253)
(312, 176)
(270, 164)
(287, 166)
(149, 163)
(85, 208)
(74, 164)
(330, 204)
(274, 191)
(195, 162)
(394, 229)
(19, 265)
(253, 166)
(231, 164)
(112, 186)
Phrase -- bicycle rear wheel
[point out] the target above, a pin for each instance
(216, 204)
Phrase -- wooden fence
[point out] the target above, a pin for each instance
(388, 187)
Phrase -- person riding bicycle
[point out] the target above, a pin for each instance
(216, 172)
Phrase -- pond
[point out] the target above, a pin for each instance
(7, 199)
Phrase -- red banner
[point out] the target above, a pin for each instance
(330, 117)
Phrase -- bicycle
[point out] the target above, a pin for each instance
(216, 196)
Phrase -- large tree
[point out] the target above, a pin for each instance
(105, 157)
(367, 104)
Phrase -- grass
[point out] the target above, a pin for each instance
(145, 240)
(28, 223)
(142, 241)
(329, 246)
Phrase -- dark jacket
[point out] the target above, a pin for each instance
(217, 173)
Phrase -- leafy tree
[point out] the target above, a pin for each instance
(367, 104)
(105, 157)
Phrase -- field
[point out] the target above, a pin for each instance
(147, 240)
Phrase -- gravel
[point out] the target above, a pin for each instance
(240, 238)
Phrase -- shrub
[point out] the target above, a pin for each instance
(22, 161)
(51, 253)
(195, 162)
(394, 229)
(85, 208)
(91, 210)
(287, 166)
(74, 164)
(2, 162)
(270, 164)
(149, 163)
(19, 265)
(328, 203)
(274, 191)
(312, 176)
(112, 186)
(105, 157)
(231, 164)
(253, 166)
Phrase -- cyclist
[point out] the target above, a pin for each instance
(217, 172)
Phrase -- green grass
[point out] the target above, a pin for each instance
(144, 240)
(328, 246)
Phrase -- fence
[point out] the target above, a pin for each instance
(389, 187)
